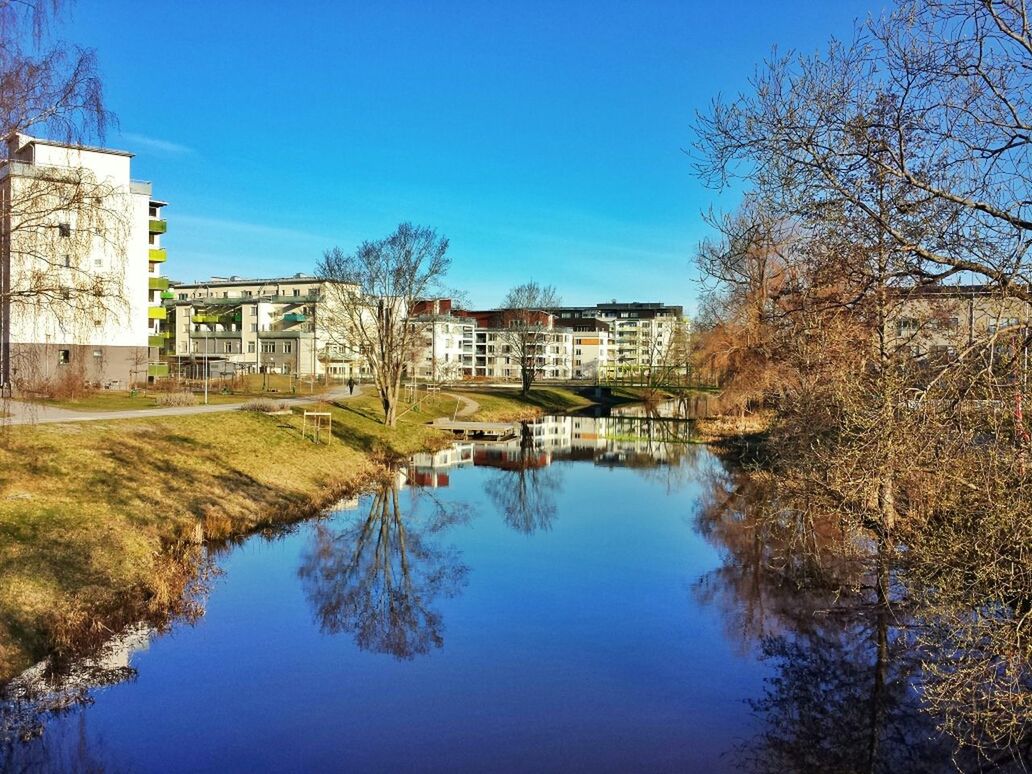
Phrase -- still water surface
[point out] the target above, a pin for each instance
(548, 604)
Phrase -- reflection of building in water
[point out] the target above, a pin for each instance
(430, 469)
(42, 690)
(635, 440)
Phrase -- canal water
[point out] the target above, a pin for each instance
(558, 602)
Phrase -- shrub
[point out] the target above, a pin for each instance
(177, 399)
(266, 406)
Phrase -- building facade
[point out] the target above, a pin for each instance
(233, 325)
(640, 337)
(80, 267)
(496, 351)
(446, 352)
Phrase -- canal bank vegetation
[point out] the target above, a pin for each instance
(883, 172)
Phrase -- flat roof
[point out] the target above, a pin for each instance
(75, 146)
(222, 281)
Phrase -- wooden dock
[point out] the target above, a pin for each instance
(478, 431)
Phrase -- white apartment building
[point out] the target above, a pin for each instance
(233, 325)
(446, 354)
(641, 337)
(80, 259)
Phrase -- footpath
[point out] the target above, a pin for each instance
(27, 413)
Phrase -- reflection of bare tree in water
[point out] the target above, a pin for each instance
(67, 746)
(524, 490)
(378, 576)
(833, 620)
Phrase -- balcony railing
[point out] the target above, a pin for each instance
(157, 256)
(157, 283)
(167, 295)
(294, 317)
(158, 226)
(157, 313)
(205, 318)
(157, 369)
(157, 341)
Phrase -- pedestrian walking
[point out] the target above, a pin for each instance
(351, 385)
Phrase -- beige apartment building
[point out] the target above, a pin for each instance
(81, 289)
(232, 325)
(940, 322)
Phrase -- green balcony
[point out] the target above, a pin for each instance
(157, 313)
(167, 295)
(157, 369)
(294, 317)
(157, 256)
(157, 341)
(210, 319)
(158, 226)
(157, 283)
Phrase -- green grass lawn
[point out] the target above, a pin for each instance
(509, 405)
(244, 389)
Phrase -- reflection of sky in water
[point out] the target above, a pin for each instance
(576, 642)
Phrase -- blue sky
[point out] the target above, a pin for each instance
(544, 139)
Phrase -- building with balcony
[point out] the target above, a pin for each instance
(80, 267)
(448, 342)
(496, 353)
(231, 325)
(641, 338)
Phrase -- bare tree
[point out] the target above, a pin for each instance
(900, 161)
(527, 324)
(52, 218)
(369, 293)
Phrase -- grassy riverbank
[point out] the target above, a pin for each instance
(90, 513)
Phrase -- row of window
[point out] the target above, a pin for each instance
(233, 347)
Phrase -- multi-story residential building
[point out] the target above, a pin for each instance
(235, 325)
(447, 352)
(80, 259)
(642, 336)
(496, 355)
(592, 348)
(937, 322)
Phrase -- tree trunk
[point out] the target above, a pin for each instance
(887, 504)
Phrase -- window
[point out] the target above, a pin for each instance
(98, 353)
(906, 325)
(269, 347)
(183, 296)
(248, 293)
(225, 294)
(152, 239)
(227, 347)
(297, 291)
(250, 347)
(98, 263)
(154, 212)
(288, 347)
(68, 261)
(254, 327)
(64, 230)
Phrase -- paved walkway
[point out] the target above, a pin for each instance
(467, 406)
(25, 413)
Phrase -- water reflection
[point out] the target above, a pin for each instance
(378, 575)
(524, 487)
(826, 611)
